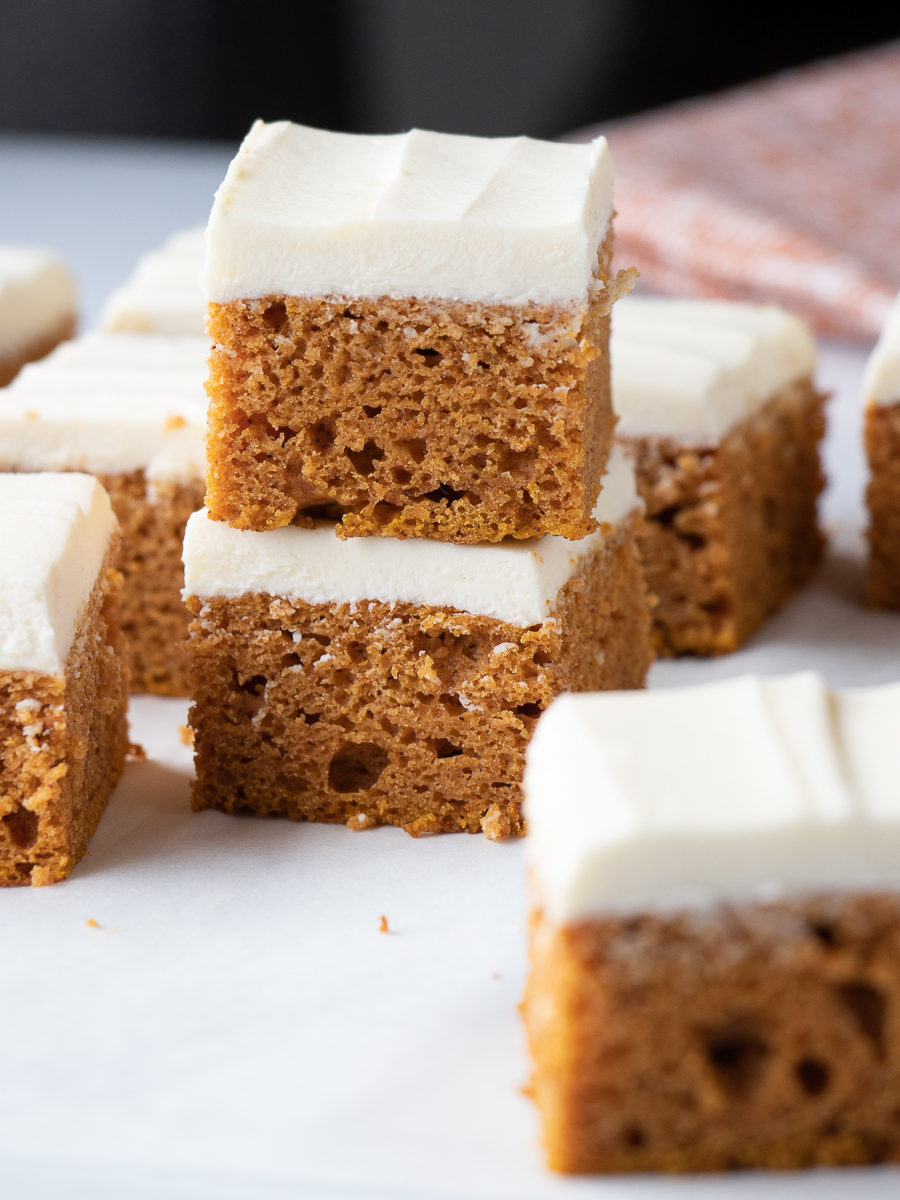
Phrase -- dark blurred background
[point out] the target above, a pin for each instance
(206, 68)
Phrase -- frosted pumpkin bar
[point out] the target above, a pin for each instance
(396, 681)
(881, 395)
(37, 306)
(715, 936)
(410, 334)
(131, 409)
(717, 406)
(63, 675)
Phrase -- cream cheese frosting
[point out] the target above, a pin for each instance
(56, 532)
(881, 381)
(110, 404)
(304, 212)
(515, 582)
(37, 296)
(748, 789)
(162, 295)
(693, 369)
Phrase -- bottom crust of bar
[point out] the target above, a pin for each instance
(731, 529)
(399, 714)
(154, 617)
(63, 741)
(757, 1036)
(882, 436)
(12, 364)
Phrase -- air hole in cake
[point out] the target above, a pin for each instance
(529, 710)
(22, 827)
(24, 869)
(666, 516)
(356, 767)
(634, 1136)
(452, 705)
(321, 512)
(309, 718)
(442, 748)
(868, 1008)
(321, 437)
(444, 492)
(431, 357)
(813, 1075)
(517, 460)
(401, 476)
(357, 652)
(825, 933)
(364, 460)
(372, 410)
(254, 686)
(737, 1059)
(694, 540)
(414, 448)
(383, 513)
(291, 660)
(276, 316)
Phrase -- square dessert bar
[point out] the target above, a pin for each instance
(410, 334)
(130, 409)
(716, 405)
(63, 675)
(715, 937)
(396, 681)
(882, 435)
(37, 307)
(162, 295)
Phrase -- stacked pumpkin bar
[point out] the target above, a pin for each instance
(881, 396)
(37, 306)
(404, 557)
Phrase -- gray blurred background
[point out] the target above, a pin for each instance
(206, 68)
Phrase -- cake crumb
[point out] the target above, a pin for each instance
(495, 824)
(186, 734)
(136, 752)
(383, 925)
(92, 924)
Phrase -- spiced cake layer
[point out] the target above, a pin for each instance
(162, 295)
(376, 681)
(63, 674)
(130, 409)
(717, 407)
(881, 388)
(715, 936)
(37, 307)
(410, 334)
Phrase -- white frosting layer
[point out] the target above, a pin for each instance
(516, 582)
(162, 295)
(307, 213)
(56, 532)
(36, 296)
(693, 369)
(881, 382)
(110, 403)
(747, 789)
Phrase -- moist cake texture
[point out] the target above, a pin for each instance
(397, 682)
(63, 674)
(410, 334)
(37, 307)
(881, 387)
(162, 295)
(130, 409)
(717, 408)
(715, 934)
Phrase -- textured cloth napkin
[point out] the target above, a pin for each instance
(785, 190)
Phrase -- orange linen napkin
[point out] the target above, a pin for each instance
(785, 190)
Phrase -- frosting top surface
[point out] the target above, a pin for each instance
(306, 212)
(694, 369)
(748, 789)
(515, 582)
(56, 532)
(110, 403)
(162, 295)
(881, 382)
(36, 296)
